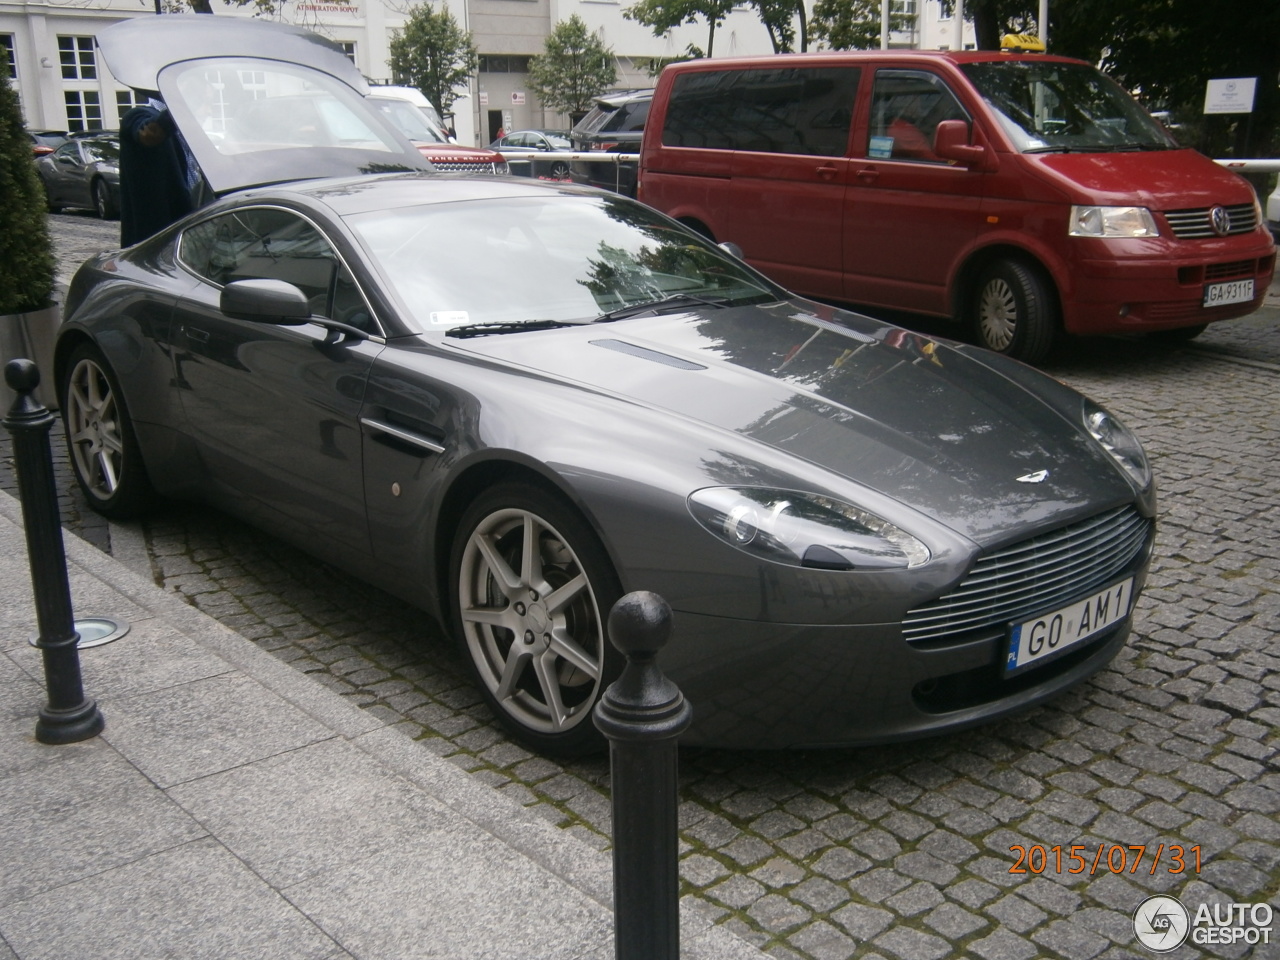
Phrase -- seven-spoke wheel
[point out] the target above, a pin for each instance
(100, 437)
(532, 588)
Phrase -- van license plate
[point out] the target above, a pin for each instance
(1046, 636)
(1233, 291)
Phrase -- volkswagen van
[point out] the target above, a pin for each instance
(1023, 195)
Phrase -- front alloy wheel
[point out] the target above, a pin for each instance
(532, 590)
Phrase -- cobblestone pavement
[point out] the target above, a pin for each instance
(909, 852)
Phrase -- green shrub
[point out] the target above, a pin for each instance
(26, 252)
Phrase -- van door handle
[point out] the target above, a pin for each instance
(868, 174)
(828, 172)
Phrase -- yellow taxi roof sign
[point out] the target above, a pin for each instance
(1021, 43)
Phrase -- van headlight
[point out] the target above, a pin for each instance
(1119, 441)
(1112, 222)
(804, 529)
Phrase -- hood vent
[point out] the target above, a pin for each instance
(644, 353)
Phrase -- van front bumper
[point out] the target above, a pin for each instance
(1145, 295)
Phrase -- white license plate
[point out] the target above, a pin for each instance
(1232, 291)
(1034, 641)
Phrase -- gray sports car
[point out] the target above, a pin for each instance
(510, 402)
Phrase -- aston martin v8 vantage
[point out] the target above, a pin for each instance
(510, 402)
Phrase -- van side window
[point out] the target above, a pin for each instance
(793, 110)
(906, 108)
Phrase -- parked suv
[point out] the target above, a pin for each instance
(1023, 194)
(614, 125)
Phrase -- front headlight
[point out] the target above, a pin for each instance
(501, 168)
(1119, 441)
(804, 529)
(1112, 222)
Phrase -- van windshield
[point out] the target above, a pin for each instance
(1053, 107)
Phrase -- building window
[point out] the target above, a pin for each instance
(902, 8)
(6, 45)
(84, 109)
(349, 48)
(126, 100)
(77, 58)
(504, 63)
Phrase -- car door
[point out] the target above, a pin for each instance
(65, 181)
(790, 134)
(274, 410)
(908, 214)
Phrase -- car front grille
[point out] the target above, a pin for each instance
(463, 166)
(1197, 223)
(1033, 577)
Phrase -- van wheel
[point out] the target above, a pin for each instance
(1015, 312)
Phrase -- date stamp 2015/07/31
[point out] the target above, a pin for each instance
(1105, 858)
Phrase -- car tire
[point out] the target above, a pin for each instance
(103, 204)
(49, 202)
(1015, 311)
(1180, 335)
(532, 624)
(104, 451)
(559, 170)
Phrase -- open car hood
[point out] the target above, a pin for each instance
(258, 102)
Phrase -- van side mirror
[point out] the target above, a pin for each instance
(951, 142)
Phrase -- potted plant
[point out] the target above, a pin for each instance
(29, 316)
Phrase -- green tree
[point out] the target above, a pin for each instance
(854, 24)
(663, 15)
(434, 54)
(574, 68)
(779, 18)
(26, 251)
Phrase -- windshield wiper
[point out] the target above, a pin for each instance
(509, 326)
(657, 306)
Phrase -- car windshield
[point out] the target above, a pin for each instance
(103, 151)
(1049, 106)
(552, 258)
(409, 120)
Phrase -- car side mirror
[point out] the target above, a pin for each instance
(731, 248)
(951, 142)
(266, 301)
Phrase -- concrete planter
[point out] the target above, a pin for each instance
(31, 335)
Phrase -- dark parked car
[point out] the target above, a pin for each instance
(543, 141)
(614, 125)
(84, 172)
(864, 534)
(46, 141)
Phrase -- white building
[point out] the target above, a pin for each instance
(64, 85)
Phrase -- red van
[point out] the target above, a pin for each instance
(1023, 194)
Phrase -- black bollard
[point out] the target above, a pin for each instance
(642, 713)
(69, 717)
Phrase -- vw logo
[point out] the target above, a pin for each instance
(1220, 220)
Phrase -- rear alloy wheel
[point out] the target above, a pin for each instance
(103, 205)
(1014, 311)
(532, 591)
(100, 439)
(559, 170)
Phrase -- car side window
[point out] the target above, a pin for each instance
(68, 153)
(906, 108)
(272, 244)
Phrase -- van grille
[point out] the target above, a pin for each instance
(463, 166)
(1197, 223)
(1034, 576)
